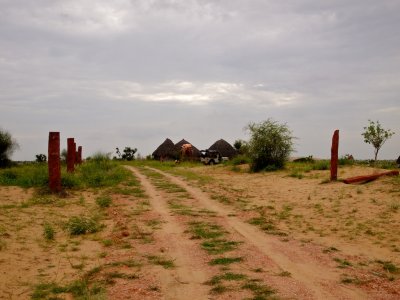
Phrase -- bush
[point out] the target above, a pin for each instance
(7, 147)
(48, 232)
(104, 201)
(270, 145)
(240, 160)
(77, 225)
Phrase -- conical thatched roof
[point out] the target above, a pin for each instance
(224, 148)
(166, 150)
(178, 146)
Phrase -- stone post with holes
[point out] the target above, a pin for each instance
(334, 155)
(71, 149)
(54, 162)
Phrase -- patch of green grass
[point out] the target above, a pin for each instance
(130, 263)
(26, 175)
(104, 201)
(78, 225)
(343, 263)
(226, 277)
(204, 230)
(225, 261)
(48, 231)
(80, 289)
(389, 266)
(110, 276)
(161, 261)
(330, 249)
(259, 290)
(284, 274)
(107, 243)
(219, 289)
(350, 280)
(221, 198)
(219, 246)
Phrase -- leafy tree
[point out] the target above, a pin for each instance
(375, 135)
(7, 147)
(270, 145)
(41, 158)
(241, 146)
(128, 153)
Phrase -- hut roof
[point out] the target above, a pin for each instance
(167, 148)
(224, 148)
(178, 146)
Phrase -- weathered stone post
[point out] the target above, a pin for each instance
(54, 162)
(334, 155)
(79, 154)
(71, 155)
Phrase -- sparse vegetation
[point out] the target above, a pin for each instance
(48, 232)
(78, 225)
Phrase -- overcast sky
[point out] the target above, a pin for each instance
(132, 73)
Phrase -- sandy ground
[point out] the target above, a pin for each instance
(294, 238)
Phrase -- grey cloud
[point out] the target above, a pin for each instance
(116, 72)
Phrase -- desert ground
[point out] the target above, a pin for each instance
(205, 232)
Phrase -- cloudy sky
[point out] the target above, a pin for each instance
(134, 72)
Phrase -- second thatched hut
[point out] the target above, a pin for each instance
(195, 151)
(224, 148)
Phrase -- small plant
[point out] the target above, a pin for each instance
(218, 246)
(260, 291)
(350, 280)
(161, 261)
(78, 225)
(225, 261)
(227, 277)
(48, 232)
(202, 230)
(343, 263)
(104, 201)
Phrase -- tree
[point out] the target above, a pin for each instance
(41, 158)
(375, 135)
(270, 145)
(241, 146)
(128, 153)
(7, 147)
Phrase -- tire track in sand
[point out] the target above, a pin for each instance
(186, 281)
(319, 279)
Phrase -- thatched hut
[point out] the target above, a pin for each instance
(195, 151)
(166, 151)
(224, 148)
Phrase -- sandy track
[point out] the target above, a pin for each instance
(321, 280)
(186, 281)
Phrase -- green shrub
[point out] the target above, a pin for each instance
(104, 201)
(48, 232)
(78, 225)
(270, 145)
(240, 160)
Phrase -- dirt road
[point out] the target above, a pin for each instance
(310, 276)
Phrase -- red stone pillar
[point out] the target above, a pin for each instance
(71, 155)
(54, 162)
(334, 155)
(79, 154)
(76, 155)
